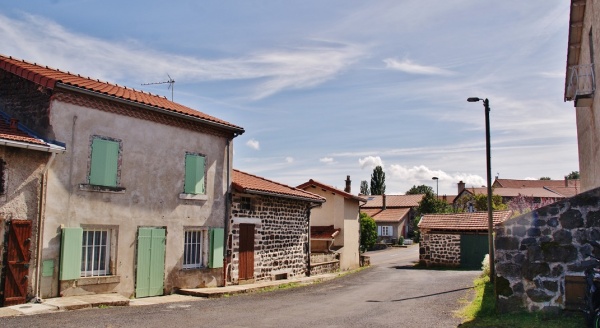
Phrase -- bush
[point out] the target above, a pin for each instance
(485, 266)
(400, 240)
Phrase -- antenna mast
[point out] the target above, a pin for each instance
(171, 83)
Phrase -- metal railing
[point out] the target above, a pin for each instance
(582, 81)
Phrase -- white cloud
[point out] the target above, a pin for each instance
(38, 39)
(370, 162)
(326, 160)
(254, 144)
(421, 174)
(289, 159)
(408, 66)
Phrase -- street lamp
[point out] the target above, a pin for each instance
(486, 106)
(437, 190)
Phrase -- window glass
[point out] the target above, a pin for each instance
(95, 252)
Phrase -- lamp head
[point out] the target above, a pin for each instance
(473, 99)
(434, 178)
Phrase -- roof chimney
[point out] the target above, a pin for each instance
(348, 184)
(461, 186)
(14, 124)
(383, 206)
(566, 182)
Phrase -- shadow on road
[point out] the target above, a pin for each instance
(422, 296)
(417, 267)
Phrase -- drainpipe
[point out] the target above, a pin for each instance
(226, 251)
(41, 217)
(310, 207)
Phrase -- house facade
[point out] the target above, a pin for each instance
(335, 226)
(580, 86)
(269, 230)
(393, 214)
(24, 158)
(137, 204)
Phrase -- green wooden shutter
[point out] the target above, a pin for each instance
(70, 253)
(217, 237)
(150, 262)
(194, 174)
(104, 166)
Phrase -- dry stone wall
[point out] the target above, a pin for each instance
(280, 237)
(439, 249)
(535, 251)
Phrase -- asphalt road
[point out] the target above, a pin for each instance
(388, 294)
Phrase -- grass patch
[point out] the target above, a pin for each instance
(280, 287)
(481, 313)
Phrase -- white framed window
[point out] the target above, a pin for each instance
(385, 231)
(95, 252)
(195, 252)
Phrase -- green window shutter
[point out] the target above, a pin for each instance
(194, 174)
(217, 237)
(104, 166)
(70, 253)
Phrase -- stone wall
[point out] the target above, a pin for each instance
(321, 263)
(281, 235)
(439, 249)
(535, 251)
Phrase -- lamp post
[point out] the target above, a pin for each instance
(486, 106)
(437, 189)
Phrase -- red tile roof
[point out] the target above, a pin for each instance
(18, 135)
(514, 192)
(52, 78)
(323, 232)
(387, 215)
(392, 201)
(318, 184)
(248, 183)
(477, 221)
(513, 183)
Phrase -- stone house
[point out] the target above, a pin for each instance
(335, 226)
(456, 240)
(137, 205)
(24, 159)
(580, 86)
(393, 214)
(269, 229)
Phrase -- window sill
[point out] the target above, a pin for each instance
(193, 197)
(196, 268)
(96, 188)
(86, 281)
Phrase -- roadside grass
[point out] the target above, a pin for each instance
(481, 313)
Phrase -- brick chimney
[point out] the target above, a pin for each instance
(383, 205)
(348, 184)
(14, 124)
(461, 186)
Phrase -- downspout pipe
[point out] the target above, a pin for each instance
(310, 207)
(227, 217)
(40, 235)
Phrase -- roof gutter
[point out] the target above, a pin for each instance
(236, 130)
(24, 145)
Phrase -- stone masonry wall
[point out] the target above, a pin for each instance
(439, 249)
(281, 237)
(535, 251)
(321, 263)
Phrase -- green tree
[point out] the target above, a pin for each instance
(378, 181)
(368, 232)
(364, 187)
(545, 178)
(431, 204)
(417, 190)
(573, 175)
(480, 201)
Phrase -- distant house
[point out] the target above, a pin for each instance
(269, 230)
(24, 160)
(137, 204)
(335, 225)
(393, 214)
(456, 240)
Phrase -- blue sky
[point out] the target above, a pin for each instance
(332, 88)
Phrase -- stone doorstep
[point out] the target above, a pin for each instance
(87, 301)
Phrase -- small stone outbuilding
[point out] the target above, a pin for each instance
(456, 240)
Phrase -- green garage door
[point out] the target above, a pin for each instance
(472, 250)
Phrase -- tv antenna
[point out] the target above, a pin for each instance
(171, 83)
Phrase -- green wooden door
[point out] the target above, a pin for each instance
(150, 262)
(472, 250)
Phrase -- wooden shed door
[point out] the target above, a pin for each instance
(150, 262)
(246, 270)
(17, 257)
(472, 250)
